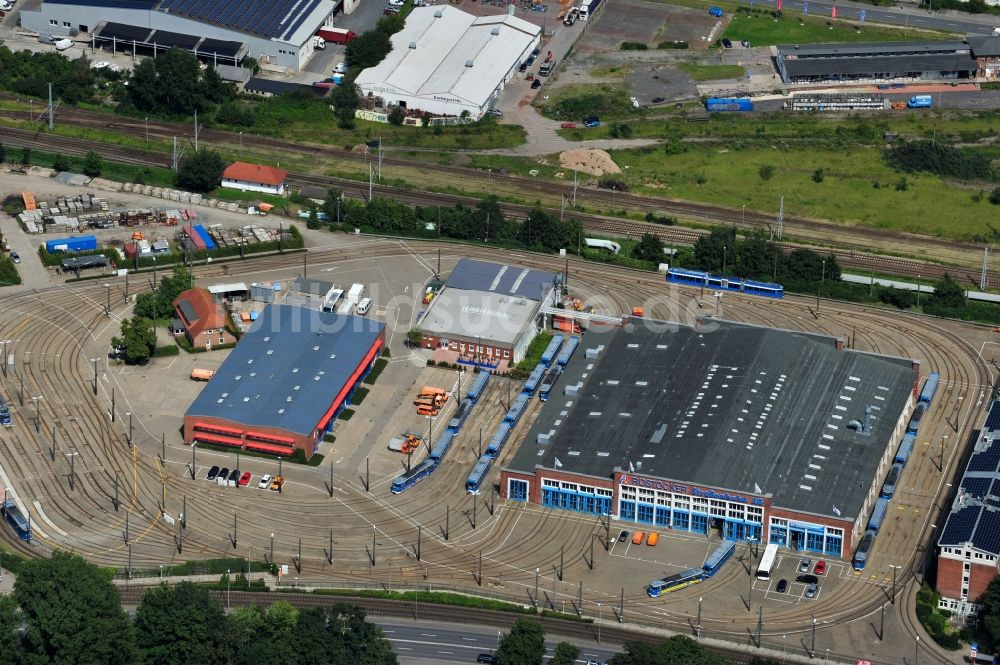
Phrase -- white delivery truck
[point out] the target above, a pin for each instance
(63, 44)
(319, 43)
(356, 292)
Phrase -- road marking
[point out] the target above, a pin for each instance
(45, 518)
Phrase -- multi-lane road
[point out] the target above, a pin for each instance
(418, 643)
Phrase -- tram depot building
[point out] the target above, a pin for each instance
(751, 432)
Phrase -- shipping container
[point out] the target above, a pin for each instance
(71, 244)
(719, 104)
(920, 102)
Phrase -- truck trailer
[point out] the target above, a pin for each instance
(337, 35)
(920, 102)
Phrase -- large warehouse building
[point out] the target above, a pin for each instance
(754, 433)
(886, 61)
(446, 61)
(488, 312)
(223, 32)
(969, 546)
(285, 382)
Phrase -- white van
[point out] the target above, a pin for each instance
(63, 44)
(364, 306)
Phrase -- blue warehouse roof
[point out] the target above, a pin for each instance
(975, 514)
(287, 369)
(471, 275)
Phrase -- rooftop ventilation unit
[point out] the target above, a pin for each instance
(413, 45)
(438, 13)
(495, 31)
(468, 63)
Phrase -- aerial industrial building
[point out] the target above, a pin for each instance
(969, 546)
(223, 32)
(754, 433)
(488, 312)
(886, 61)
(285, 382)
(446, 61)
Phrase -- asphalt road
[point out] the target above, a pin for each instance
(419, 642)
(948, 21)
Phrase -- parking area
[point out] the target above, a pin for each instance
(649, 23)
(801, 578)
(672, 552)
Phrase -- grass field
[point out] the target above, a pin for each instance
(765, 30)
(848, 192)
(711, 72)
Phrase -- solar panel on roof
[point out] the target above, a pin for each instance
(123, 32)
(220, 47)
(173, 39)
(987, 460)
(960, 525)
(977, 486)
(987, 535)
(993, 419)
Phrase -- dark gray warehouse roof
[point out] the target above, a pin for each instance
(288, 368)
(984, 46)
(731, 406)
(880, 65)
(874, 49)
(975, 513)
(472, 275)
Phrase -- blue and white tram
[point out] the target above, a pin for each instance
(724, 283)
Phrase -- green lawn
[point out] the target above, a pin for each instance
(847, 194)
(711, 72)
(765, 30)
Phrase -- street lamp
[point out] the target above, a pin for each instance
(108, 310)
(146, 120)
(228, 584)
(892, 599)
(599, 617)
(698, 623)
(723, 260)
(744, 214)
(36, 400)
(916, 650)
(94, 360)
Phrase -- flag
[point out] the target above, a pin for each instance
(805, 7)
(779, 5)
(836, 510)
(757, 489)
(833, 12)
(558, 463)
(631, 467)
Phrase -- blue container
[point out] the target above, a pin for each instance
(719, 104)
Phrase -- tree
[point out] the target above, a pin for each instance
(766, 172)
(566, 654)
(11, 651)
(26, 156)
(60, 163)
(138, 339)
(333, 202)
(523, 645)
(178, 625)
(716, 249)
(367, 50)
(650, 248)
(174, 83)
(994, 195)
(345, 98)
(397, 115)
(947, 293)
(678, 650)
(414, 336)
(72, 613)
(200, 171)
(3, 153)
(93, 165)
(989, 613)
(818, 175)
(337, 636)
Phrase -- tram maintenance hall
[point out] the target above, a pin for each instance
(756, 433)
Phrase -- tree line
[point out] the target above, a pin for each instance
(66, 611)
(524, 644)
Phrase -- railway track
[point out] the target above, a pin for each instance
(671, 235)
(62, 336)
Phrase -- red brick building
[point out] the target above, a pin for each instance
(969, 546)
(205, 321)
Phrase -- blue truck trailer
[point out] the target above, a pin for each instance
(719, 104)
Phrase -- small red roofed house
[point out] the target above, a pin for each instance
(205, 322)
(254, 178)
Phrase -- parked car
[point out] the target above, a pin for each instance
(726, 42)
(15, 257)
(234, 477)
(531, 59)
(537, 52)
(623, 536)
(265, 481)
(807, 579)
(397, 3)
(223, 476)
(782, 586)
(277, 483)
(745, 43)
(523, 67)
(812, 590)
(820, 567)
(496, 113)
(568, 125)
(537, 83)
(805, 565)
(489, 659)
(592, 121)
(245, 478)
(212, 473)
(341, 68)
(374, 143)
(390, 11)
(715, 11)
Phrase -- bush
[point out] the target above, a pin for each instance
(663, 46)
(377, 369)
(995, 196)
(163, 351)
(359, 396)
(940, 159)
(93, 165)
(766, 172)
(61, 163)
(633, 46)
(346, 414)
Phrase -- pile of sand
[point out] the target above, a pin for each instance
(594, 162)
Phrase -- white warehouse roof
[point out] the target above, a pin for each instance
(430, 55)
